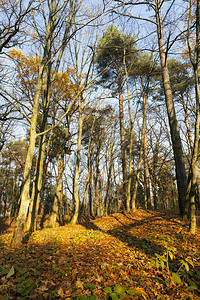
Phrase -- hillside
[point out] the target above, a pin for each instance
(109, 258)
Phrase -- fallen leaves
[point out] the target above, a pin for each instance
(71, 262)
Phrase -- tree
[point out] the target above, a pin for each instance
(146, 72)
(111, 49)
(12, 164)
(183, 88)
(13, 14)
(83, 62)
(195, 60)
(63, 91)
(164, 44)
(53, 24)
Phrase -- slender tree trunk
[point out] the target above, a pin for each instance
(133, 200)
(97, 185)
(146, 168)
(39, 184)
(108, 181)
(187, 123)
(153, 175)
(42, 204)
(194, 173)
(83, 204)
(191, 143)
(25, 196)
(76, 173)
(130, 169)
(194, 168)
(100, 203)
(59, 191)
(30, 209)
(96, 204)
(91, 210)
(122, 136)
(175, 135)
(41, 209)
(13, 195)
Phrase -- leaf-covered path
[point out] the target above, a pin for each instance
(113, 257)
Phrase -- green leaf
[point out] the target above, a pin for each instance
(90, 286)
(37, 273)
(171, 255)
(114, 296)
(6, 298)
(192, 283)
(28, 288)
(4, 271)
(186, 267)
(162, 264)
(191, 288)
(167, 282)
(157, 264)
(176, 278)
(28, 282)
(190, 262)
(20, 279)
(84, 297)
(152, 262)
(23, 271)
(93, 297)
(107, 290)
(11, 272)
(132, 292)
(119, 290)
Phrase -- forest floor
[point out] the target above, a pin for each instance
(140, 255)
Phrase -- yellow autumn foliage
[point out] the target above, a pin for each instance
(27, 69)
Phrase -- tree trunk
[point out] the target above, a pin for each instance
(25, 196)
(122, 136)
(153, 176)
(76, 173)
(58, 199)
(175, 135)
(194, 168)
(133, 199)
(191, 144)
(130, 167)
(108, 181)
(41, 152)
(146, 168)
(13, 195)
(39, 184)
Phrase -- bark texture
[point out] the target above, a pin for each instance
(174, 129)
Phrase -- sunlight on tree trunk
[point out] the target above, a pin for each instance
(175, 135)
(78, 157)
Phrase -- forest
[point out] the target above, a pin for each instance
(99, 149)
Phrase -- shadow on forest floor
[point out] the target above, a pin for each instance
(144, 234)
(5, 226)
(73, 261)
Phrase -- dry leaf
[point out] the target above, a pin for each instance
(60, 292)
(79, 284)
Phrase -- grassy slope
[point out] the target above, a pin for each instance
(100, 257)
